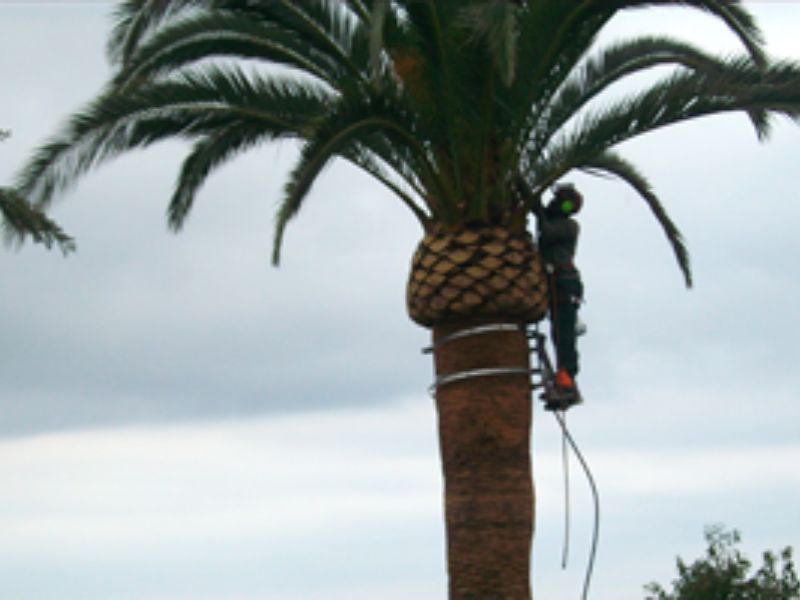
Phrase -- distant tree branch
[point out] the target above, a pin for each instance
(723, 574)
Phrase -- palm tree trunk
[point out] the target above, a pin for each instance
(484, 433)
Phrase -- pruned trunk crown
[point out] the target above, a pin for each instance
(478, 272)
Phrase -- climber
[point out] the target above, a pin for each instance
(558, 239)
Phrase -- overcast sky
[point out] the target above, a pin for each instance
(181, 421)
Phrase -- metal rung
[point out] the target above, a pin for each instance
(477, 330)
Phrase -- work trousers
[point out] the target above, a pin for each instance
(566, 294)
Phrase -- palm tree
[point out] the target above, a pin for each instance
(468, 111)
(18, 220)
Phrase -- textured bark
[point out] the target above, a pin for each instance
(484, 432)
(478, 272)
(460, 279)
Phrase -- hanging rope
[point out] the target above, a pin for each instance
(562, 421)
(544, 371)
(565, 465)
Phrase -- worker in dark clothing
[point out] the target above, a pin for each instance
(558, 240)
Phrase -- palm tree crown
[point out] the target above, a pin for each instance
(468, 111)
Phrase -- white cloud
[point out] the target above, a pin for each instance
(701, 471)
(301, 472)
(276, 492)
(354, 479)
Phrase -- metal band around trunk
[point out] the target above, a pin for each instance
(472, 373)
(477, 330)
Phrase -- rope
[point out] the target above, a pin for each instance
(546, 372)
(561, 418)
(565, 464)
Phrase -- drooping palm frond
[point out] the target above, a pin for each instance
(365, 117)
(407, 189)
(135, 19)
(192, 105)
(611, 163)
(222, 35)
(738, 87)
(324, 27)
(611, 66)
(19, 220)
(730, 12)
(361, 9)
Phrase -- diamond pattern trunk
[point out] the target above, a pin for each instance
(479, 272)
(460, 280)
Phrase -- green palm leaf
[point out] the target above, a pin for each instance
(338, 135)
(611, 66)
(194, 104)
(222, 35)
(611, 163)
(731, 12)
(738, 87)
(19, 220)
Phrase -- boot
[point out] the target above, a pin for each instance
(564, 381)
(563, 394)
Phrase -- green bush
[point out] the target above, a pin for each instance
(724, 574)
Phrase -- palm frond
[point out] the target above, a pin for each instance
(217, 35)
(611, 163)
(191, 105)
(611, 66)
(367, 162)
(19, 220)
(494, 25)
(319, 24)
(740, 86)
(440, 101)
(399, 159)
(338, 135)
(731, 12)
(555, 38)
(209, 153)
(322, 25)
(135, 19)
(361, 9)
(377, 43)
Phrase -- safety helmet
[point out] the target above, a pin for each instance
(567, 199)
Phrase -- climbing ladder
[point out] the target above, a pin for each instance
(543, 375)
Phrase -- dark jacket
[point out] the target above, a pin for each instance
(558, 239)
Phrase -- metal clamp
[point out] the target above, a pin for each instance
(443, 380)
(472, 373)
(470, 331)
